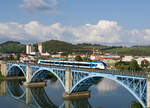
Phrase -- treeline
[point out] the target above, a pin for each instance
(135, 51)
(12, 47)
(135, 104)
(133, 65)
(54, 46)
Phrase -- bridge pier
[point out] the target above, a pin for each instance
(3, 68)
(68, 81)
(28, 70)
(68, 86)
(28, 77)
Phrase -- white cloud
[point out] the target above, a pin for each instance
(40, 5)
(104, 32)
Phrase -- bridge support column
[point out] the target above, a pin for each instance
(148, 92)
(68, 86)
(28, 74)
(28, 77)
(3, 68)
(68, 81)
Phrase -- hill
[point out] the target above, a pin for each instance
(12, 47)
(135, 51)
(53, 46)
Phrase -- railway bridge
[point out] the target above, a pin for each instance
(79, 80)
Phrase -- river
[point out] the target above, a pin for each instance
(105, 94)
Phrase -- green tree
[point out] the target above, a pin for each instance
(0, 74)
(11, 57)
(144, 63)
(78, 58)
(86, 59)
(18, 56)
(135, 104)
(122, 65)
(65, 59)
(134, 65)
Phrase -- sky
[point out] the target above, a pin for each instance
(110, 22)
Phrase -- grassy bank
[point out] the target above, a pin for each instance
(1, 77)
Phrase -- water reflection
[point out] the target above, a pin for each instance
(106, 86)
(2, 88)
(15, 88)
(104, 94)
(36, 97)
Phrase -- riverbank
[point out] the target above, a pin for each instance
(1, 77)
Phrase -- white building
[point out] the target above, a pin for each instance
(94, 57)
(24, 59)
(140, 59)
(127, 58)
(28, 49)
(45, 54)
(40, 49)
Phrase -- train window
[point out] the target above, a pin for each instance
(57, 63)
(93, 64)
(63, 63)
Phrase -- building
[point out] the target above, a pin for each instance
(94, 57)
(31, 50)
(40, 49)
(127, 58)
(28, 49)
(29, 59)
(74, 55)
(140, 59)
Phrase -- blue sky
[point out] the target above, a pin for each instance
(73, 15)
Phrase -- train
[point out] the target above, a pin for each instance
(95, 65)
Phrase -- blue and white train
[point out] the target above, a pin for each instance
(98, 65)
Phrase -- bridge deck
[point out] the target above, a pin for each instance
(108, 71)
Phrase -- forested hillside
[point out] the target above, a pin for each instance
(12, 47)
(54, 46)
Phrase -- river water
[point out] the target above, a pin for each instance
(104, 94)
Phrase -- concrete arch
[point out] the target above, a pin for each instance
(111, 77)
(18, 66)
(49, 70)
